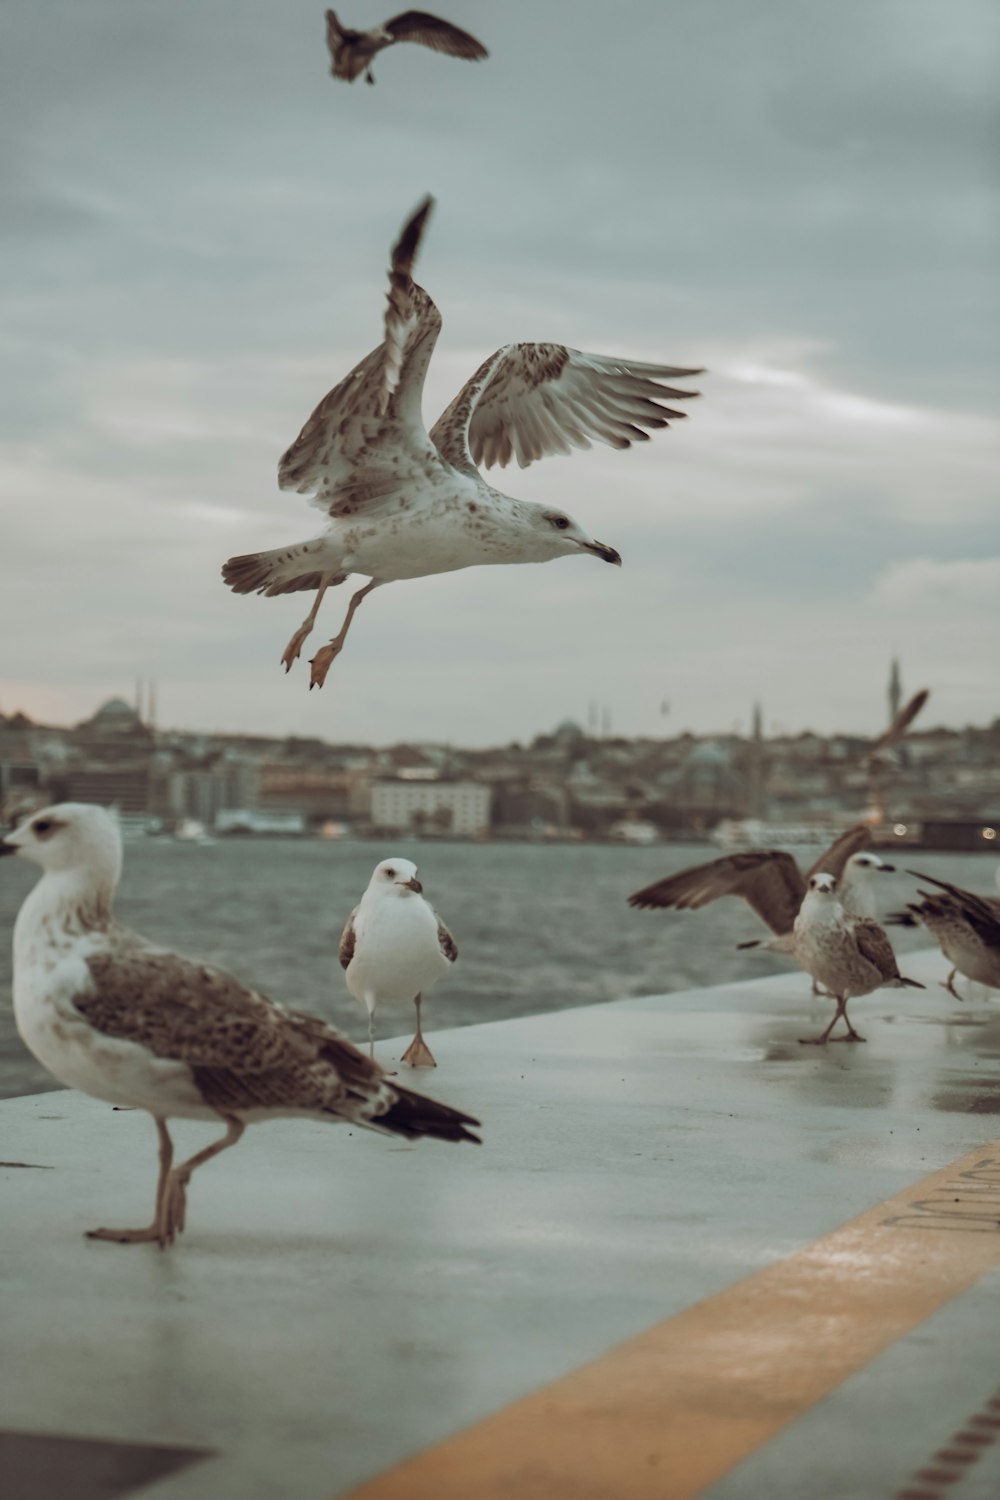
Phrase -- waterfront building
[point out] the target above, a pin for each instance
(459, 807)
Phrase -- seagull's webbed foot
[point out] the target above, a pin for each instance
(418, 1054)
(293, 650)
(321, 664)
(126, 1236)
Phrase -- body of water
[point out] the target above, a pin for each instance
(539, 927)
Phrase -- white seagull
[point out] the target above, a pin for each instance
(966, 926)
(771, 883)
(395, 947)
(848, 955)
(404, 504)
(353, 52)
(108, 1013)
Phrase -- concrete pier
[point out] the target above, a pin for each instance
(663, 1182)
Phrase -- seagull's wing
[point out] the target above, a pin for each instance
(244, 1051)
(431, 31)
(901, 722)
(768, 880)
(981, 912)
(833, 861)
(529, 400)
(343, 452)
(335, 34)
(873, 945)
(347, 941)
(447, 943)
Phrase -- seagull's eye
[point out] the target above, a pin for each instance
(559, 522)
(391, 874)
(43, 826)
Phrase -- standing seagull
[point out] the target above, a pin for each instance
(112, 1015)
(404, 504)
(394, 947)
(770, 881)
(967, 928)
(352, 52)
(849, 956)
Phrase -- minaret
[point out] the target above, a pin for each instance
(895, 690)
(755, 779)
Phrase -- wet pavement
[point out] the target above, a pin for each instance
(341, 1301)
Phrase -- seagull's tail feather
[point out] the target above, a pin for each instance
(413, 1115)
(906, 918)
(909, 984)
(285, 570)
(753, 943)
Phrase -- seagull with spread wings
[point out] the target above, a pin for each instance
(771, 883)
(402, 503)
(137, 1025)
(353, 52)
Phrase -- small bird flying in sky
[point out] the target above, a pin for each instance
(352, 52)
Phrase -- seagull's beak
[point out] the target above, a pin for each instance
(412, 885)
(887, 869)
(605, 553)
(6, 848)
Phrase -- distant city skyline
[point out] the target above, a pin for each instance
(597, 722)
(801, 197)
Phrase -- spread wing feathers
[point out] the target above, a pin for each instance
(374, 413)
(901, 722)
(835, 858)
(448, 945)
(335, 34)
(347, 941)
(981, 912)
(531, 400)
(768, 880)
(431, 31)
(873, 945)
(246, 1052)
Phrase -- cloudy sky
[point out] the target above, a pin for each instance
(800, 195)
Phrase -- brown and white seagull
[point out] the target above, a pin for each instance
(848, 955)
(108, 1013)
(771, 883)
(352, 52)
(402, 503)
(966, 926)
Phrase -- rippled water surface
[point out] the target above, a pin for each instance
(538, 927)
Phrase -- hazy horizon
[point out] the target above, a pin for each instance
(801, 197)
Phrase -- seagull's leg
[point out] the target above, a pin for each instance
(298, 640)
(824, 1036)
(175, 1191)
(369, 76)
(370, 1003)
(326, 655)
(850, 1035)
(949, 985)
(152, 1231)
(418, 1054)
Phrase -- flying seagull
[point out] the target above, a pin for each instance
(771, 883)
(394, 947)
(352, 52)
(108, 1013)
(966, 926)
(404, 504)
(849, 956)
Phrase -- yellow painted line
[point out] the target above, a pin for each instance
(666, 1414)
